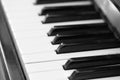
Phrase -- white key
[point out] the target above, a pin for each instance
(50, 75)
(45, 66)
(51, 55)
(35, 45)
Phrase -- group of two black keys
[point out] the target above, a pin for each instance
(78, 37)
(94, 67)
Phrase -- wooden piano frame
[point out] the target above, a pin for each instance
(10, 61)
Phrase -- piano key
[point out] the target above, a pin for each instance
(91, 21)
(85, 40)
(77, 3)
(108, 78)
(100, 72)
(55, 1)
(85, 2)
(96, 45)
(74, 17)
(38, 8)
(65, 30)
(87, 25)
(83, 37)
(51, 55)
(45, 66)
(28, 46)
(93, 61)
(62, 10)
(61, 75)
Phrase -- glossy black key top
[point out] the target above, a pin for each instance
(95, 73)
(78, 29)
(55, 1)
(74, 31)
(74, 17)
(66, 10)
(83, 37)
(94, 45)
(84, 26)
(92, 61)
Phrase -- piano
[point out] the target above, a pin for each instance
(60, 40)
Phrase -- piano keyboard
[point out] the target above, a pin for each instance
(67, 40)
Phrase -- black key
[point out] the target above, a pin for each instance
(94, 45)
(55, 1)
(74, 17)
(83, 26)
(66, 10)
(84, 63)
(78, 29)
(83, 37)
(94, 73)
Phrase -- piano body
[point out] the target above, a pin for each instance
(83, 48)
